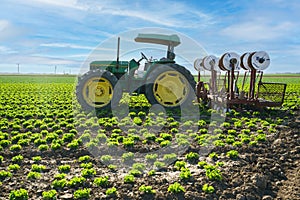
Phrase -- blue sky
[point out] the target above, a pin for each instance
(42, 34)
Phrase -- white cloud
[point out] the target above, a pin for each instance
(37, 60)
(67, 45)
(172, 14)
(3, 25)
(7, 30)
(257, 30)
(57, 3)
(6, 50)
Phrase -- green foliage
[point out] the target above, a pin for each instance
(68, 137)
(165, 143)
(220, 164)
(111, 191)
(85, 158)
(137, 121)
(60, 176)
(203, 131)
(201, 123)
(147, 189)
(185, 174)
(225, 125)
(151, 172)
(76, 181)
(128, 156)
(176, 188)
(213, 155)
(64, 168)
(192, 156)
(232, 132)
(219, 143)
(37, 158)
(15, 147)
(88, 172)
(168, 158)
(212, 173)
(1, 159)
(253, 143)
(112, 167)
(139, 166)
(149, 136)
(13, 167)
(233, 154)
(218, 131)
(16, 159)
(151, 157)
(5, 143)
(261, 137)
(20, 194)
(82, 193)
(4, 174)
(230, 139)
(33, 175)
(86, 165)
(59, 184)
(101, 137)
(128, 142)
(74, 144)
(238, 124)
(86, 137)
(166, 136)
(208, 188)
(237, 144)
(49, 195)
(179, 165)
(159, 164)
(38, 168)
(101, 181)
(43, 147)
(40, 141)
(55, 145)
(106, 158)
(246, 131)
(129, 178)
(174, 130)
(135, 172)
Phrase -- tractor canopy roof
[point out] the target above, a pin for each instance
(168, 40)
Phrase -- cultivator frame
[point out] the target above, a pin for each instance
(259, 94)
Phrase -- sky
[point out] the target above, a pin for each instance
(38, 35)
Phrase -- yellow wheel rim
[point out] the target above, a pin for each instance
(171, 88)
(97, 92)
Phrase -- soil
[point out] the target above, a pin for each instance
(270, 170)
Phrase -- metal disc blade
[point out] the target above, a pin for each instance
(210, 63)
(259, 60)
(198, 65)
(244, 61)
(229, 61)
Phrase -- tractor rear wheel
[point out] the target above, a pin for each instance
(95, 90)
(171, 86)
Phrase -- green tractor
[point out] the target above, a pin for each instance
(162, 80)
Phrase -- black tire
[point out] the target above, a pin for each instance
(84, 96)
(189, 85)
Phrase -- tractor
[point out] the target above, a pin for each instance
(162, 81)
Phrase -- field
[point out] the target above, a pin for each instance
(51, 149)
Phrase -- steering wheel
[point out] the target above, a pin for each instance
(143, 56)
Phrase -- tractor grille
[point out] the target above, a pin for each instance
(271, 92)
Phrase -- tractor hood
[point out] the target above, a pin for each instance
(168, 40)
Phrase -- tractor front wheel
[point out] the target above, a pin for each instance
(95, 90)
(170, 86)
